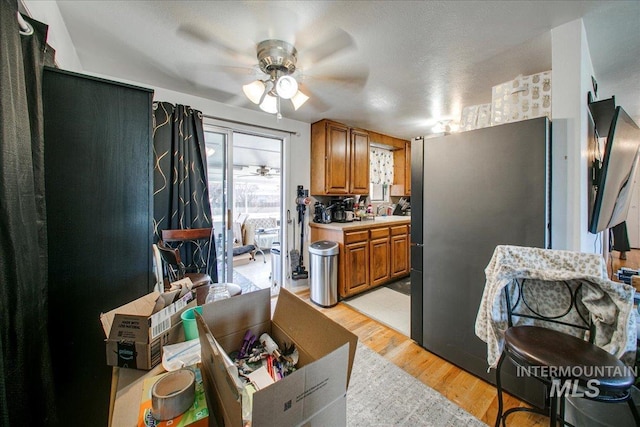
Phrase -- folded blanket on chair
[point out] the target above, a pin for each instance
(610, 304)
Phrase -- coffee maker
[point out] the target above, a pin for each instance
(340, 209)
(338, 214)
(321, 213)
(349, 203)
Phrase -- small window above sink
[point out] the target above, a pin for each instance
(380, 172)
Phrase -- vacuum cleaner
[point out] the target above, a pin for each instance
(302, 200)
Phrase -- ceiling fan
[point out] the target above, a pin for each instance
(263, 171)
(296, 67)
(277, 59)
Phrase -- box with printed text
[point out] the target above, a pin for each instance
(135, 334)
(314, 394)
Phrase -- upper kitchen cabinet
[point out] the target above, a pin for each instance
(359, 173)
(401, 168)
(339, 159)
(401, 161)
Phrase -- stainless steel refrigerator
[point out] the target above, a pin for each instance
(472, 191)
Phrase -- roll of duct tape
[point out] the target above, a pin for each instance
(173, 394)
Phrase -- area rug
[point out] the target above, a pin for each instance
(387, 306)
(382, 394)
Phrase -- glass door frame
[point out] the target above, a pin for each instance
(222, 248)
(228, 129)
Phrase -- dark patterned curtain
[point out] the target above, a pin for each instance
(26, 380)
(181, 193)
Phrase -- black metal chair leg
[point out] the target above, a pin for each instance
(499, 389)
(634, 411)
(563, 403)
(553, 412)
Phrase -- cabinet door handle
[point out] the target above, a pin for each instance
(417, 244)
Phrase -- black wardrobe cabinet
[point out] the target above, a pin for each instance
(98, 175)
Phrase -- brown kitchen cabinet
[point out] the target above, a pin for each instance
(359, 183)
(401, 168)
(380, 256)
(356, 260)
(399, 251)
(371, 253)
(339, 159)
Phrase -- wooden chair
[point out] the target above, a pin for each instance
(195, 247)
(176, 269)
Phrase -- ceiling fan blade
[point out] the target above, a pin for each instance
(354, 77)
(243, 52)
(314, 48)
(240, 74)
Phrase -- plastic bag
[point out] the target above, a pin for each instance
(177, 356)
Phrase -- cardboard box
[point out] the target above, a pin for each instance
(196, 416)
(135, 336)
(315, 394)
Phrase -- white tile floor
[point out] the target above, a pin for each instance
(258, 271)
(386, 306)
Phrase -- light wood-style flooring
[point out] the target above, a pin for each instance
(469, 392)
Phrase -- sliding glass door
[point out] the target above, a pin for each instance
(246, 188)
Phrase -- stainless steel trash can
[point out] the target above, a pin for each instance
(276, 267)
(323, 273)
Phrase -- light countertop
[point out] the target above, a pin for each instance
(379, 221)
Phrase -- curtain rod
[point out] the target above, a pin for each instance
(25, 28)
(250, 124)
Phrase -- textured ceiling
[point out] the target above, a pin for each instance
(388, 66)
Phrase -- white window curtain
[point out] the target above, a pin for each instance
(381, 166)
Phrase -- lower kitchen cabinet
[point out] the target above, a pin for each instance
(356, 273)
(371, 254)
(399, 251)
(380, 256)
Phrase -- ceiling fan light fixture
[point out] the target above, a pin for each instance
(269, 104)
(286, 87)
(277, 59)
(254, 91)
(298, 99)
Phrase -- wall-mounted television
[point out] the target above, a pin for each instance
(614, 180)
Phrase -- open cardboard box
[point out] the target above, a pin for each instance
(315, 394)
(136, 335)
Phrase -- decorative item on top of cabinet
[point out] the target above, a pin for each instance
(339, 159)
